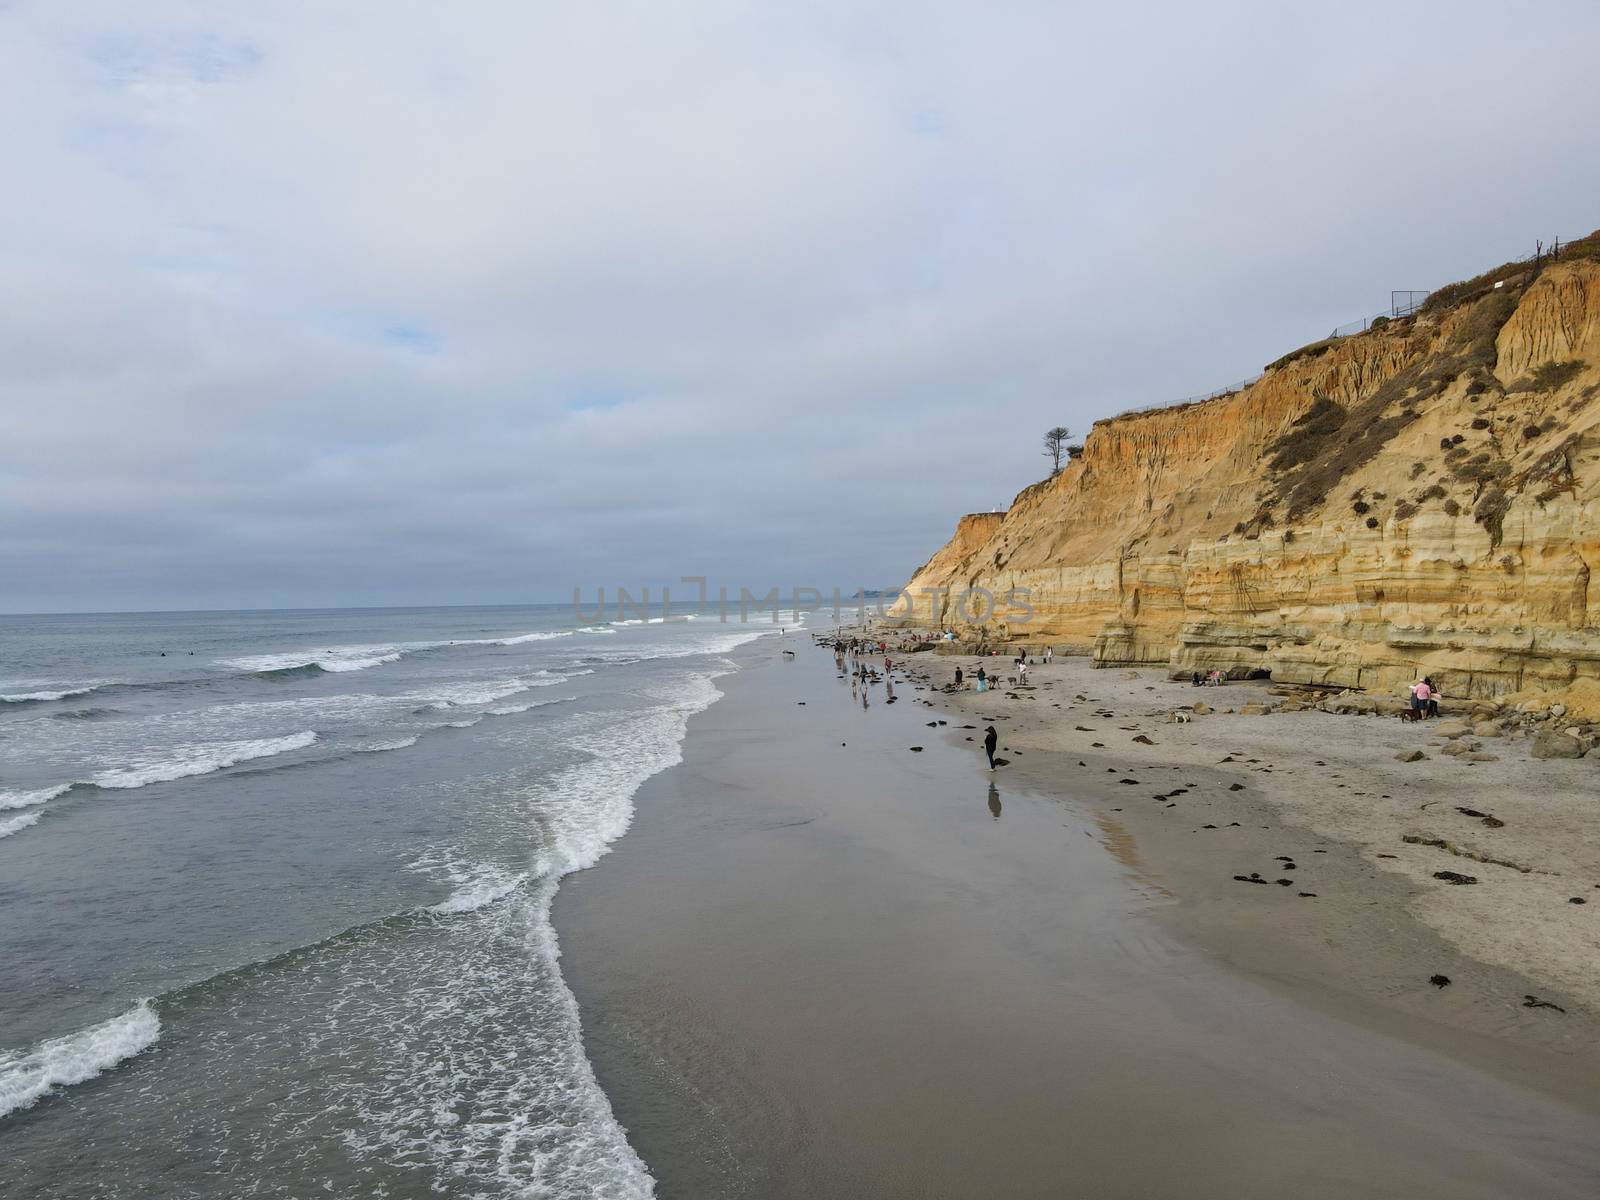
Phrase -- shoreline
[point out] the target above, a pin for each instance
(814, 969)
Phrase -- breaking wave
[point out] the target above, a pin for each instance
(28, 1075)
(36, 796)
(45, 696)
(10, 825)
(180, 762)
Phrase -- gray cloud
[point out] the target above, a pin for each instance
(395, 303)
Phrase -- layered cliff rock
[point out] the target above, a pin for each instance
(1424, 496)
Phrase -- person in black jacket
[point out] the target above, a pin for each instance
(990, 740)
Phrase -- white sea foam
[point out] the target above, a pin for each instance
(10, 825)
(477, 886)
(179, 762)
(27, 1075)
(338, 658)
(29, 799)
(49, 694)
(511, 710)
(379, 747)
(361, 658)
(463, 695)
(516, 1108)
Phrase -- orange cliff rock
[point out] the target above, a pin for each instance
(1421, 497)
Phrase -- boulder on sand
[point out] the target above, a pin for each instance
(1552, 743)
(1451, 729)
(1410, 756)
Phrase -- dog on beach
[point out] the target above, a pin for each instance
(1182, 718)
(1410, 714)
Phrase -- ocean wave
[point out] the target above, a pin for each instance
(467, 695)
(10, 825)
(337, 659)
(44, 697)
(511, 710)
(303, 671)
(85, 714)
(29, 799)
(477, 887)
(364, 657)
(199, 759)
(28, 1075)
(380, 747)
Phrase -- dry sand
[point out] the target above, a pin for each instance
(824, 964)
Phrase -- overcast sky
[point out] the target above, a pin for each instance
(383, 303)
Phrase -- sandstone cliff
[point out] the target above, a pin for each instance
(1424, 496)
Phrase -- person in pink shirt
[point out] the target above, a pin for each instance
(1420, 692)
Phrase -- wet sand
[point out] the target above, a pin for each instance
(821, 964)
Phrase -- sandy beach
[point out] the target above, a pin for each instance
(835, 956)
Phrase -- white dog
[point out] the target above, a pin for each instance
(1182, 718)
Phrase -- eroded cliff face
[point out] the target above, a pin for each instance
(1424, 497)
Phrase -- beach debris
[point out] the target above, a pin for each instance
(1439, 981)
(1135, 782)
(1284, 882)
(1307, 895)
(1410, 756)
(1208, 827)
(1082, 729)
(1236, 787)
(1455, 877)
(916, 749)
(1492, 822)
(1143, 740)
(1576, 900)
(1253, 877)
(1535, 1002)
(1097, 745)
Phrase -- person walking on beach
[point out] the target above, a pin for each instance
(1433, 696)
(990, 740)
(958, 676)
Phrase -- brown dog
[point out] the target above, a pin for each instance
(1410, 714)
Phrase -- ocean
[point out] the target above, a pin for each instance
(275, 892)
